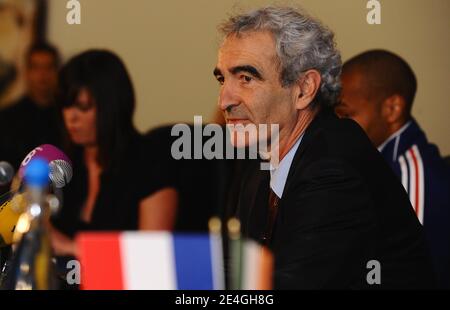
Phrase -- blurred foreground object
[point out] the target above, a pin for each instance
(157, 260)
(31, 267)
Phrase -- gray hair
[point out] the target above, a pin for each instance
(302, 43)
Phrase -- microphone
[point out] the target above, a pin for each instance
(6, 173)
(12, 203)
(59, 164)
(9, 216)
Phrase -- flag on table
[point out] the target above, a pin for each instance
(146, 261)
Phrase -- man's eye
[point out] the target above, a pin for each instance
(246, 78)
(220, 79)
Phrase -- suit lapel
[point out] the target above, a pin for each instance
(253, 199)
(312, 130)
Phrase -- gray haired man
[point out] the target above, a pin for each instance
(332, 210)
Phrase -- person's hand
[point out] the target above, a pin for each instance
(61, 244)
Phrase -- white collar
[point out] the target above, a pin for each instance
(393, 136)
(278, 176)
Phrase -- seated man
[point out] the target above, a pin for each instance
(33, 120)
(378, 92)
(335, 208)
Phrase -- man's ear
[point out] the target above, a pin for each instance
(393, 108)
(308, 86)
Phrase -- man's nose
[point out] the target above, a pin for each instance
(228, 97)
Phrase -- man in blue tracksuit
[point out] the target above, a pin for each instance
(378, 89)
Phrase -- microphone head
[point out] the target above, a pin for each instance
(6, 173)
(60, 172)
(59, 164)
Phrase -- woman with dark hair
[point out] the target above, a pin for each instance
(118, 182)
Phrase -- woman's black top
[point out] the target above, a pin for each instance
(140, 173)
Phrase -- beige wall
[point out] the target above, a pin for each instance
(170, 49)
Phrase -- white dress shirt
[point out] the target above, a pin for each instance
(278, 176)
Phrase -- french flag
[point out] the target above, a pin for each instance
(150, 261)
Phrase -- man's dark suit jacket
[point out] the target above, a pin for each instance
(342, 207)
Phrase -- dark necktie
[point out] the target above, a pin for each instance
(271, 216)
